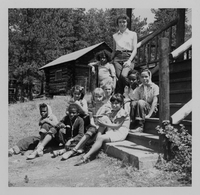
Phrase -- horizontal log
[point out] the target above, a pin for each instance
(151, 36)
(184, 47)
(182, 113)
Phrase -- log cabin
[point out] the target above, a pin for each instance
(72, 69)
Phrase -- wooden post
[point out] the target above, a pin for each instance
(164, 107)
(129, 14)
(180, 30)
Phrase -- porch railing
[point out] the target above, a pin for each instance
(148, 48)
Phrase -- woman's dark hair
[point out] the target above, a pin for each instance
(124, 17)
(103, 53)
(117, 97)
(78, 88)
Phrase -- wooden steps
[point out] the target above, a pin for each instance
(129, 152)
(142, 149)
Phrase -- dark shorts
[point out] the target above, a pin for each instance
(47, 129)
(91, 130)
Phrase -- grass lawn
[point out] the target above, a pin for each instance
(51, 172)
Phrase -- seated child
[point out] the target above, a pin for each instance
(108, 89)
(70, 129)
(77, 96)
(47, 132)
(113, 128)
(133, 83)
(97, 108)
(106, 70)
(145, 99)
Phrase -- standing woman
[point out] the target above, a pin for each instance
(124, 51)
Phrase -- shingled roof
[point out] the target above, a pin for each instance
(72, 56)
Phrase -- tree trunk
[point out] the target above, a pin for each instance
(180, 30)
(129, 14)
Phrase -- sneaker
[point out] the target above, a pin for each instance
(82, 161)
(67, 155)
(80, 151)
(32, 155)
(40, 153)
(58, 152)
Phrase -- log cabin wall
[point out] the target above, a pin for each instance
(59, 79)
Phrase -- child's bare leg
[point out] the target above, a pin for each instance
(97, 145)
(45, 141)
(80, 145)
(82, 142)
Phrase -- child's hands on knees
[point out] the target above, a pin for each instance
(69, 143)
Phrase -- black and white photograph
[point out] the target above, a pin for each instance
(100, 97)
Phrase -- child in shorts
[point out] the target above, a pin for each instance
(96, 108)
(112, 128)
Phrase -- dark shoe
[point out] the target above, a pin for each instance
(82, 161)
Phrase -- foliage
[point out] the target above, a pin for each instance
(39, 36)
(181, 148)
(165, 16)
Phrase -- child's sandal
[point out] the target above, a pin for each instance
(82, 161)
(58, 152)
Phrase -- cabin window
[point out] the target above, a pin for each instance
(58, 75)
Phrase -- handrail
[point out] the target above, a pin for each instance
(148, 47)
(151, 36)
(181, 49)
(174, 54)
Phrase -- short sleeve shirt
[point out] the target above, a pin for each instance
(106, 71)
(146, 93)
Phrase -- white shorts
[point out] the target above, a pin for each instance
(117, 135)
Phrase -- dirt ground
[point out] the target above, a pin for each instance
(103, 171)
(47, 171)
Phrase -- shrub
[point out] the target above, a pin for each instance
(181, 149)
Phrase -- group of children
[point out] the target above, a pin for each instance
(123, 96)
(106, 118)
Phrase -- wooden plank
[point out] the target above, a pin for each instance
(182, 113)
(184, 47)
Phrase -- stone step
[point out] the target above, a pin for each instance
(138, 156)
(145, 139)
